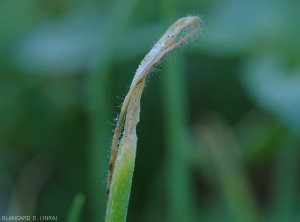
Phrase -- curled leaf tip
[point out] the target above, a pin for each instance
(176, 35)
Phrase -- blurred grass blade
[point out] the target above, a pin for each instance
(24, 198)
(235, 186)
(175, 109)
(76, 208)
(266, 130)
(285, 189)
(178, 179)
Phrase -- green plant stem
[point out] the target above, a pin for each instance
(121, 183)
(120, 187)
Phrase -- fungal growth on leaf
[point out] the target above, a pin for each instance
(123, 150)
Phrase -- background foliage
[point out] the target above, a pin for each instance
(219, 129)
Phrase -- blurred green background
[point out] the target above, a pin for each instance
(219, 128)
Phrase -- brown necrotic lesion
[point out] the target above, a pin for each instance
(178, 34)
